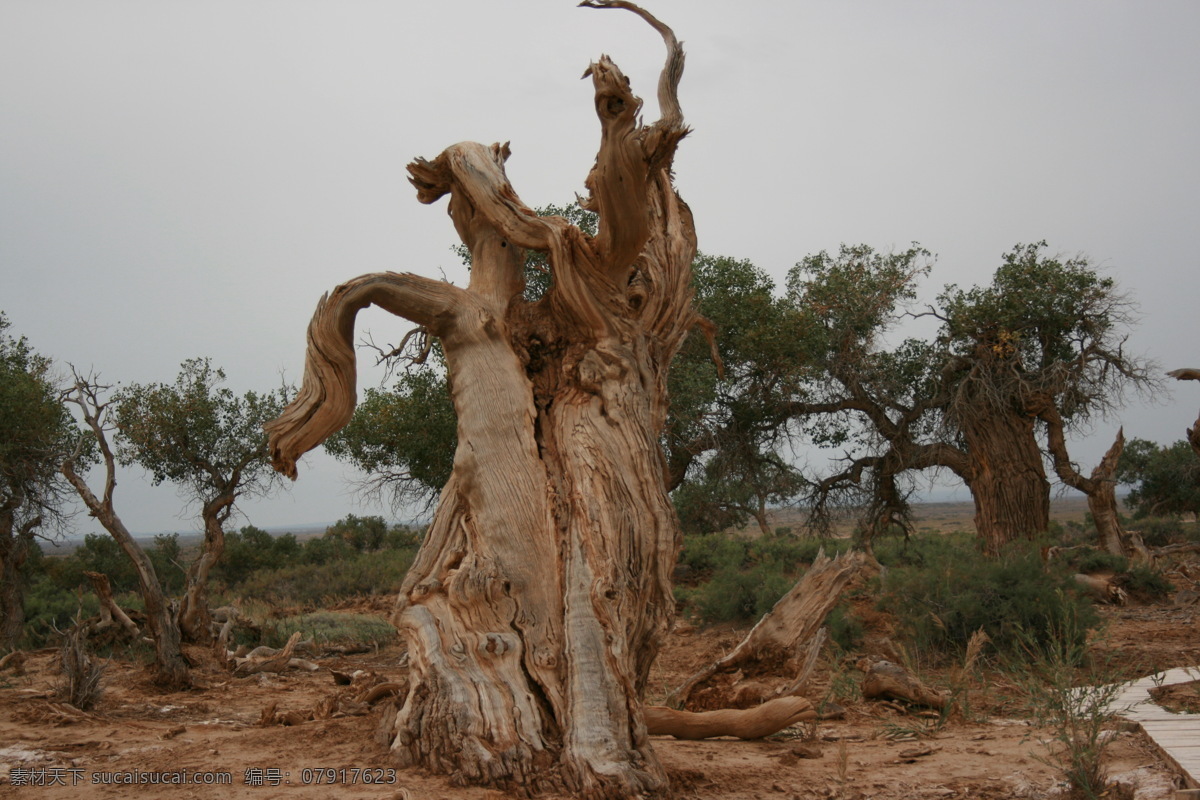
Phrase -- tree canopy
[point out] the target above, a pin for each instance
(1164, 480)
(199, 435)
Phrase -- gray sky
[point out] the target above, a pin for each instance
(186, 179)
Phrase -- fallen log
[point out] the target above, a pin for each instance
(744, 723)
(1101, 588)
(14, 661)
(275, 663)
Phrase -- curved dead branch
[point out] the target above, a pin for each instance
(327, 397)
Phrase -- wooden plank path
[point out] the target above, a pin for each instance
(1177, 736)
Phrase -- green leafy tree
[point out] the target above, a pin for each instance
(208, 441)
(728, 425)
(35, 435)
(1165, 480)
(878, 404)
(1043, 341)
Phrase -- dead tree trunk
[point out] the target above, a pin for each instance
(540, 594)
(160, 619)
(778, 640)
(110, 613)
(1100, 487)
(1193, 433)
(1193, 436)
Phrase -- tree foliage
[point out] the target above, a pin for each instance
(197, 433)
(36, 433)
(1165, 480)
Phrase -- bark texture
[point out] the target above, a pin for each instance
(1006, 476)
(535, 606)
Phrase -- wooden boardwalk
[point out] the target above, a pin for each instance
(1176, 735)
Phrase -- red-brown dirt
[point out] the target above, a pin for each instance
(215, 728)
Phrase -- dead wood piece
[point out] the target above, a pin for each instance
(888, 681)
(346, 649)
(744, 723)
(14, 661)
(382, 690)
(276, 663)
(1101, 588)
(300, 663)
(789, 627)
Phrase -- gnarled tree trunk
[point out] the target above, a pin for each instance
(1100, 487)
(1006, 476)
(195, 622)
(542, 589)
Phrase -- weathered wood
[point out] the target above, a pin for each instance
(273, 663)
(1101, 588)
(744, 723)
(884, 680)
(783, 633)
(541, 591)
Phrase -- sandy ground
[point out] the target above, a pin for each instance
(212, 733)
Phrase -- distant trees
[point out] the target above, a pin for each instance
(1042, 342)
(35, 435)
(1011, 369)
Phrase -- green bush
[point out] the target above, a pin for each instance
(329, 627)
(1147, 583)
(706, 554)
(1091, 561)
(955, 592)
(310, 584)
(737, 595)
(846, 630)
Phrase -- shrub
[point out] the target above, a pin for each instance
(1147, 584)
(310, 584)
(329, 627)
(1099, 561)
(956, 592)
(846, 630)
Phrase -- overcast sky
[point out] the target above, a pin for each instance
(186, 179)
